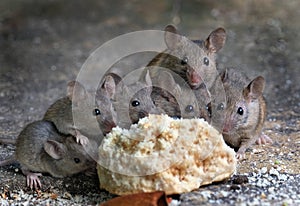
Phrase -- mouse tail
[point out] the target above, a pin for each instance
(7, 141)
(8, 161)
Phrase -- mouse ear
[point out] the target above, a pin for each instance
(216, 40)
(55, 149)
(171, 37)
(109, 85)
(224, 75)
(147, 79)
(167, 82)
(76, 91)
(255, 88)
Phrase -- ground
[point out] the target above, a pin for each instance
(44, 44)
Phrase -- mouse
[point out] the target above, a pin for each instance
(193, 60)
(81, 115)
(133, 101)
(244, 110)
(176, 99)
(40, 148)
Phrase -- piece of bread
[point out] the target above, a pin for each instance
(162, 153)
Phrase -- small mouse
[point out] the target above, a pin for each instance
(244, 110)
(104, 111)
(176, 98)
(194, 61)
(40, 148)
(133, 102)
(81, 116)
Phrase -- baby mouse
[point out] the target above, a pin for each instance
(177, 99)
(81, 116)
(133, 102)
(194, 61)
(41, 149)
(244, 110)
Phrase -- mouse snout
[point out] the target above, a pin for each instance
(108, 125)
(227, 126)
(143, 113)
(194, 78)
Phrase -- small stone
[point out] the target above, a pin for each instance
(240, 179)
(263, 170)
(234, 187)
(273, 171)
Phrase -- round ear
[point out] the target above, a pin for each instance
(172, 38)
(76, 91)
(108, 86)
(166, 80)
(224, 75)
(216, 40)
(255, 88)
(55, 149)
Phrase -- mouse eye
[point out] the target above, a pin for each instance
(220, 106)
(240, 111)
(96, 112)
(189, 108)
(135, 103)
(208, 108)
(184, 61)
(206, 61)
(76, 160)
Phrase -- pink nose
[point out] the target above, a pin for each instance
(227, 127)
(195, 77)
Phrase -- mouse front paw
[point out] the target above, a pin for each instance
(33, 180)
(81, 139)
(263, 139)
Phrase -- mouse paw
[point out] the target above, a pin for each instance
(33, 180)
(81, 139)
(90, 172)
(263, 139)
(240, 156)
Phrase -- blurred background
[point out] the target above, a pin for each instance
(43, 45)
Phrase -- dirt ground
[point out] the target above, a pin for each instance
(43, 45)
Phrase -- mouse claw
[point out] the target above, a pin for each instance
(81, 139)
(240, 156)
(263, 139)
(33, 180)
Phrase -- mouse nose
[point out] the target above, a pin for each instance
(108, 125)
(194, 77)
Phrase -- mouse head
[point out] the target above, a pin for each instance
(179, 95)
(68, 157)
(242, 104)
(140, 103)
(133, 101)
(196, 58)
(104, 111)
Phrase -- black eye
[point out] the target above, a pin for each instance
(184, 60)
(97, 112)
(240, 111)
(76, 160)
(135, 103)
(206, 61)
(220, 106)
(189, 108)
(208, 108)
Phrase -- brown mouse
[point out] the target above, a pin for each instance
(81, 115)
(133, 101)
(194, 61)
(244, 110)
(40, 148)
